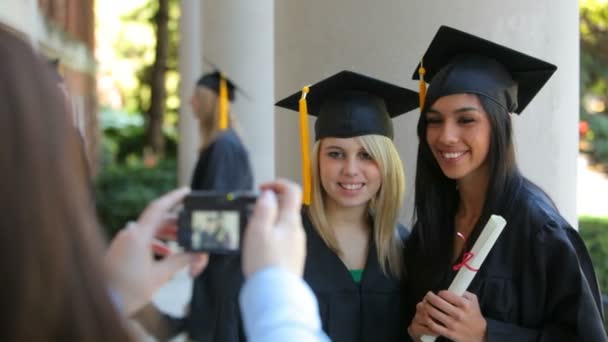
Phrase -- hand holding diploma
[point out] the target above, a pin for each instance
(455, 313)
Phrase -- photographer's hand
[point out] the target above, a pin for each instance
(134, 274)
(274, 235)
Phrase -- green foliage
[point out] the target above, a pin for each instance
(594, 231)
(597, 137)
(125, 184)
(141, 55)
(124, 137)
(124, 190)
(594, 75)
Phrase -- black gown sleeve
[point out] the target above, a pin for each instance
(563, 289)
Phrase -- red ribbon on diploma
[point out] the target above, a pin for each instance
(466, 257)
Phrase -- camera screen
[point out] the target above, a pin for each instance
(215, 229)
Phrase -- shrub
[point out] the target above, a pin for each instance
(597, 136)
(594, 231)
(124, 190)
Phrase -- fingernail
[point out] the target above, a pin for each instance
(269, 195)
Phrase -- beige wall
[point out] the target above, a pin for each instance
(385, 39)
(64, 30)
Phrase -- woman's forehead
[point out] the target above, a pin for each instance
(345, 143)
(456, 102)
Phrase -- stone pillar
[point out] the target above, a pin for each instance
(317, 38)
(238, 37)
(190, 66)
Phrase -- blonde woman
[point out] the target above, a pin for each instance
(223, 164)
(354, 243)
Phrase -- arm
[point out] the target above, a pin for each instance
(554, 289)
(279, 306)
(276, 304)
(135, 276)
(571, 312)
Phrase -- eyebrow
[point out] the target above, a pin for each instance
(335, 147)
(332, 147)
(459, 110)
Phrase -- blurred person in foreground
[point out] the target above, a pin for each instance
(60, 287)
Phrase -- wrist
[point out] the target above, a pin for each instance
(484, 336)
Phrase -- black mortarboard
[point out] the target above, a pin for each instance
(458, 62)
(348, 104)
(212, 81)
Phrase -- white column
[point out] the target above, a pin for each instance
(190, 66)
(239, 39)
(385, 39)
(24, 17)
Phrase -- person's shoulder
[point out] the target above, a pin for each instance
(228, 140)
(228, 136)
(541, 214)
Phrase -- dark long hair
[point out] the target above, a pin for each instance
(436, 196)
(54, 286)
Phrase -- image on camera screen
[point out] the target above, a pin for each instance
(215, 229)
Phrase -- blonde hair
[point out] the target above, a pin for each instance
(383, 207)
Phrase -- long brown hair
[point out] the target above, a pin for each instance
(54, 287)
(437, 198)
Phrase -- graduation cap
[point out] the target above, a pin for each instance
(459, 62)
(224, 87)
(347, 105)
(212, 80)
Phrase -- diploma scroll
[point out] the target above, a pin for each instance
(472, 261)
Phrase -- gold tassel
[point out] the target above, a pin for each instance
(422, 86)
(304, 134)
(223, 105)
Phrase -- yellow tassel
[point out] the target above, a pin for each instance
(223, 105)
(304, 134)
(422, 86)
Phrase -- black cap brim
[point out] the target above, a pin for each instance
(349, 104)
(398, 100)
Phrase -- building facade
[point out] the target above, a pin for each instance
(64, 30)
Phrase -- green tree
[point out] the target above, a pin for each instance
(156, 94)
(594, 47)
(594, 78)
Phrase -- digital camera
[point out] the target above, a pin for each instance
(214, 222)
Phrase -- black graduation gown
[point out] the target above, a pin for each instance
(537, 283)
(214, 309)
(223, 166)
(368, 311)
